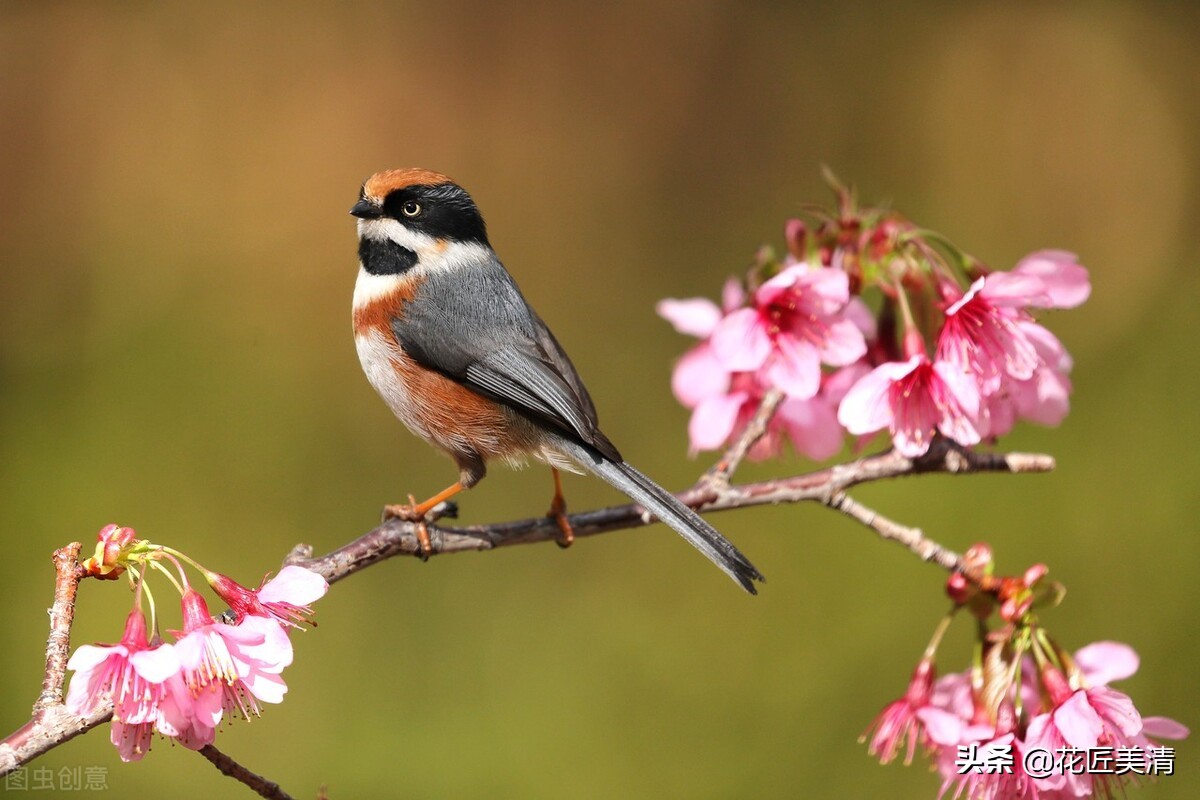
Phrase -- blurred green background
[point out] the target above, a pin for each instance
(176, 265)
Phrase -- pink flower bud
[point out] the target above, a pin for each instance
(795, 232)
(113, 544)
(1035, 574)
(958, 588)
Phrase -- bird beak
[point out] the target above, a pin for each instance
(365, 209)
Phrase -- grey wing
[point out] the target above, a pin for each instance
(474, 326)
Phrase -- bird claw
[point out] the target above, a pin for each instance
(410, 513)
(558, 513)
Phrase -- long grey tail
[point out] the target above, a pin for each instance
(667, 508)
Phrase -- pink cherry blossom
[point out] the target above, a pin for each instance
(1074, 724)
(1093, 716)
(1104, 662)
(286, 597)
(132, 740)
(191, 718)
(244, 660)
(796, 323)
(898, 725)
(983, 340)
(715, 419)
(1043, 398)
(952, 694)
(133, 673)
(913, 399)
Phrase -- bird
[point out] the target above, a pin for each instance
(449, 342)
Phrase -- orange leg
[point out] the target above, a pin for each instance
(415, 512)
(558, 512)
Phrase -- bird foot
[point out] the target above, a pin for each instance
(416, 515)
(558, 513)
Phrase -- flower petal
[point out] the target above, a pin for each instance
(295, 585)
(157, 663)
(733, 295)
(779, 285)
(812, 426)
(267, 687)
(963, 389)
(823, 292)
(944, 728)
(1164, 728)
(1012, 290)
(857, 312)
(695, 317)
(713, 420)
(843, 344)
(741, 341)
(699, 375)
(1066, 281)
(89, 656)
(795, 368)
(1078, 722)
(1116, 709)
(132, 741)
(1105, 662)
(865, 408)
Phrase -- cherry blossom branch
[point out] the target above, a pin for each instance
(826, 486)
(912, 538)
(227, 766)
(51, 723)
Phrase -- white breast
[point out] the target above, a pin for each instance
(378, 354)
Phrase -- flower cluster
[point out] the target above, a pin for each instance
(214, 668)
(953, 348)
(1027, 720)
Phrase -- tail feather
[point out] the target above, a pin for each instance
(669, 510)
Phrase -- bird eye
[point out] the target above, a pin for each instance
(411, 208)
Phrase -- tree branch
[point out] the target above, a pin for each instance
(398, 537)
(261, 786)
(52, 724)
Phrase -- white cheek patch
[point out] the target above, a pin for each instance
(384, 229)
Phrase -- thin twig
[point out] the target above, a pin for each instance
(912, 538)
(262, 786)
(718, 474)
